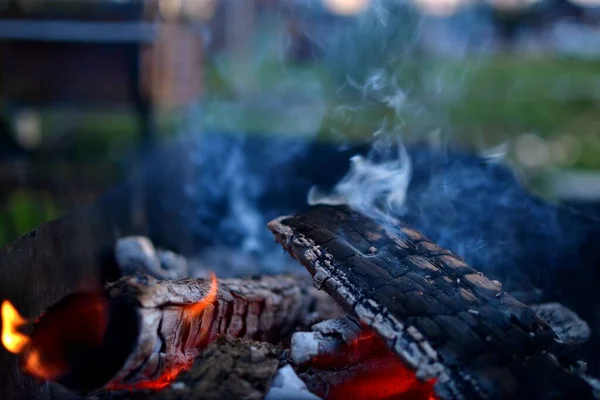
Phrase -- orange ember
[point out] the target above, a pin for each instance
(367, 343)
(384, 377)
(197, 308)
(162, 382)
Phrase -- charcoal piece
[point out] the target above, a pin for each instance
(516, 359)
(154, 329)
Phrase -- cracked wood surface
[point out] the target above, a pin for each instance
(444, 319)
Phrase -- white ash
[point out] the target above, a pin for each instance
(137, 255)
(305, 346)
(567, 325)
(288, 386)
(348, 328)
(325, 338)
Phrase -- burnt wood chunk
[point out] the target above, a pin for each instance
(444, 319)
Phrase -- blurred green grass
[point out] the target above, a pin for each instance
(493, 100)
(484, 101)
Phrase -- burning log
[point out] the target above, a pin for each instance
(444, 320)
(141, 333)
(343, 357)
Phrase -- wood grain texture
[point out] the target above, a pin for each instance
(444, 319)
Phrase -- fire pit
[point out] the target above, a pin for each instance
(387, 314)
(420, 323)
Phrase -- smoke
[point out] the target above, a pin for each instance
(375, 184)
(239, 181)
(474, 205)
(234, 176)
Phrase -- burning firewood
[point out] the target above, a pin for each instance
(444, 320)
(343, 357)
(141, 333)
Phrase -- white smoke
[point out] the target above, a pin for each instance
(375, 184)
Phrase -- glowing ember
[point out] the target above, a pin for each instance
(383, 377)
(160, 383)
(197, 308)
(12, 340)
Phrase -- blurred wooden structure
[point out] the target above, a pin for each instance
(102, 53)
(79, 54)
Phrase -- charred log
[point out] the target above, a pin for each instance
(445, 320)
(142, 332)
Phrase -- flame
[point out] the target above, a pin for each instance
(17, 343)
(33, 365)
(12, 340)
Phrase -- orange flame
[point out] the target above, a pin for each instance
(19, 343)
(12, 340)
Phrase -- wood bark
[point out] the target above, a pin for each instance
(445, 320)
(169, 333)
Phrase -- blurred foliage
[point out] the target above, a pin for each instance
(26, 209)
(77, 157)
(480, 102)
